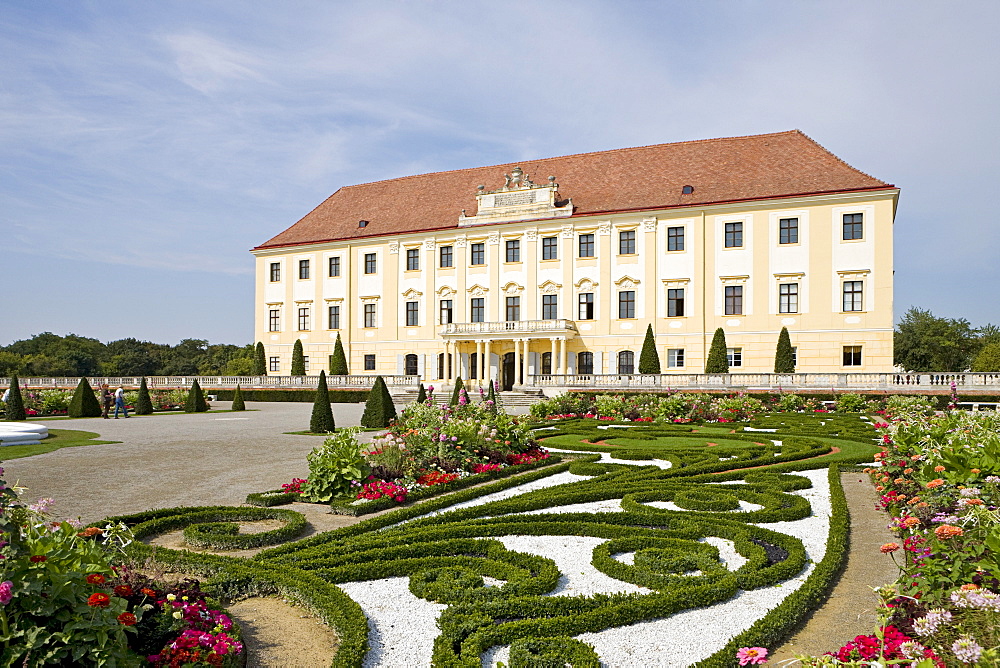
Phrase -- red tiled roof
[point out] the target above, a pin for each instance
(649, 177)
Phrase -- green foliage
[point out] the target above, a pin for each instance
(988, 359)
(14, 408)
(10, 363)
(334, 466)
(294, 396)
(923, 342)
(143, 404)
(195, 402)
(783, 359)
(717, 361)
(322, 414)
(379, 409)
(238, 403)
(84, 402)
(457, 392)
(557, 652)
(298, 359)
(338, 365)
(899, 405)
(421, 394)
(851, 403)
(259, 360)
(649, 359)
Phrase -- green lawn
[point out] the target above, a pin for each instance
(58, 438)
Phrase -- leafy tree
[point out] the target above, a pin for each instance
(10, 363)
(143, 405)
(129, 357)
(84, 402)
(649, 359)
(379, 409)
(457, 392)
(783, 361)
(988, 358)
(260, 361)
(338, 365)
(195, 402)
(238, 403)
(322, 415)
(923, 342)
(421, 395)
(717, 361)
(298, 359)
(15, 402)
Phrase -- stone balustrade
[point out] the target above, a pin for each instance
(351, 382)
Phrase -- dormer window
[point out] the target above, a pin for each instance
(687, 190)
(362, 223)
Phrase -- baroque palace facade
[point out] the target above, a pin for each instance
(557, 266)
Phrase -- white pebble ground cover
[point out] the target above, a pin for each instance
(402, 627)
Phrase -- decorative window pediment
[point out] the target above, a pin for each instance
(550, 287)
(627, 282)
(445, 291)
(854, 274)
(585, 285)
(513, 289)
(676, 282)
(412, 294)
(477, 290)
(733, 280)
(371, 299)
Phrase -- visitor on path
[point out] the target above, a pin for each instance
(106, 399)
(6, 395)
(120, 401)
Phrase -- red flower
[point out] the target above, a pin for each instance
(127, 619)
(123, 591)
(99, 600)
(38, 558)
(95, 579)
(147, 592)
(889, 547)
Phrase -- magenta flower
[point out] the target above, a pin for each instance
(752, 655)
(6, 592)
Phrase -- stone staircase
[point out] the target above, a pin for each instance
(529, 397)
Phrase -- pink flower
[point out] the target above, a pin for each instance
(752, 655)
(6, 592)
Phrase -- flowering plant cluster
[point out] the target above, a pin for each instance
(671, 407)
(293, 487)
(46, 402)
(376, 489)
(436, 478)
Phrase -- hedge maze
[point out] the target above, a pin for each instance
(723, 487)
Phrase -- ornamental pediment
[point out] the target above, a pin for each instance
(446, 291)
(549, 287)
(627, 282)
(586, 285)
(478, 290)
(513, 289)
(412, 294)
(519, 198)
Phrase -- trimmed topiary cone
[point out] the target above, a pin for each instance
(15, 402)
(649, 359)
(321, 421)
(238, 404)
(338, 365)
(259, 361)
(84, 402)
(298, 359)
(783, 361)
(717, 361)
(195, 402)
(143, 405)
(457, 391)
(421, 395)
(379, 409)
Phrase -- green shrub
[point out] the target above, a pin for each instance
(988, 358)
(421, 394)
(195, 402)
(143, 403)
(717, 361)
(850, 403)
(900, 404)
(295, 396)
(457, 392)
(649, 359)
(334, 466)
(259, 360)
(238, 403)
(298, 359)
(14, 408)
(338, 363)
(783, 359)
(84, 402)
(557, 652)
(379, 409)
(322, 415)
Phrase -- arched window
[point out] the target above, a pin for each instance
(474, 366)
(546, 362)
(626, 362)
(585, 362)
(410, 364)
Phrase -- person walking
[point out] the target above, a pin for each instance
(120, 401)
(106, 399)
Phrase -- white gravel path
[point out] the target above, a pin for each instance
(606, 458)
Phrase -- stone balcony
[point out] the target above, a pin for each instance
(508, 329)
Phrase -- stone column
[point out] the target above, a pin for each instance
(517, 361)
(486, 361)
(553, 358)
(562, 356)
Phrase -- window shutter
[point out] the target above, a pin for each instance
(400, 365)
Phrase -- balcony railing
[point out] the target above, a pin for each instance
(508, 327)
(888, 382)
(220, 382)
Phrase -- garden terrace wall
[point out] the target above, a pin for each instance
(298, 396)
(940, 399)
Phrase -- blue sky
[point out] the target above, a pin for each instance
(146, 147)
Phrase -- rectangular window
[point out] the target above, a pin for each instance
(274, 320)
(334, 267)
(852, 296)
(795, 356)
(626, 304)
(734, 235)
(675, 238)
(478, 309)
(445, 257)
(788, 298)
(626, 242)
(550, 307)
(274, 365)
(513, 309)
(412, 259)
(852, 355)
(369, 315)
(412, 314)
(334, 317)
(478, 254)
(370, 265)
(513, 250)
(369, 362)
(675, 358)
(304, 319)
(734, 356)
(445, 312)
(853, 226)
(788, 231)
(303, 268)
(734, 300)
(585, 362)
(305, 363)
(550, 248)
(586, 245)
(675, 302)
(585, 301)
(275, 272)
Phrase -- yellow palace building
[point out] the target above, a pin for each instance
(556, 266)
